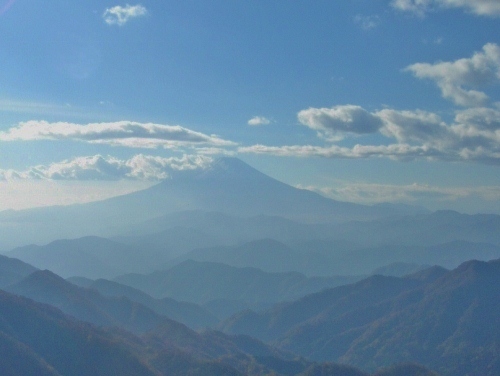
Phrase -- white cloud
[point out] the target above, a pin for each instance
(97, 167)
(473, 136)
(480, 118)
(410, 126)
(393, 151)
(367, 22)
(259, 120)
(417, 7)
(458, 79)
(119, 15)
(122, 133)
(420, 7)
(336, 122)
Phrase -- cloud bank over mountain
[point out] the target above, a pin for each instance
(98, 167)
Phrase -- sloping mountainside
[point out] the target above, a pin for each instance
(206, 283)
(447, 321)
(86, 304)
(42, 341)
(229, 185)
(189, 314)
(37, 339)
(453, 323)
(13, 270)
(276, 322)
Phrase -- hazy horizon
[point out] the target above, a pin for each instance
(363, 101)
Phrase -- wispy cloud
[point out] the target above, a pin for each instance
(97, 167)
(4, 8)
(119, 15)
(458, 79)
(367, 22)
(368, 193)
(122, 133)
(259, 120)
(489, 8)
(44, 108)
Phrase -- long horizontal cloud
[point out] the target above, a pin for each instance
(459, 79)
(394, 151)
(122, 133)
(97, 167)
(420, 7)
(473, 136)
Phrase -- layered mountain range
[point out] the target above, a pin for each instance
(86, 334)
(228, 271)
(446, 320)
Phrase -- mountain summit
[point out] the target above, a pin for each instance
(231, 186)
(228, 185)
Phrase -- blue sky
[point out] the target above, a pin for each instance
(361, 100)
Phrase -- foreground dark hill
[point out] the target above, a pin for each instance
(13, 270)
(448, 321)
(228, 185)
(40, 340)
(453, 325)
(36, 339)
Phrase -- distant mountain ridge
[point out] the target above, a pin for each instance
(188, 314)
(90, 256)
(208, 282)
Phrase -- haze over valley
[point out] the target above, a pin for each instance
(263, 188)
